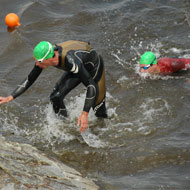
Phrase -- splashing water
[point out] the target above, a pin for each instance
(56, 131)
(92, 140)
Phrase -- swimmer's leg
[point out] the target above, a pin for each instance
(100, 109)
(100, 106)
(67, 82)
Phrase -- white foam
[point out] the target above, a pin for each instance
(75, 107)
(122, 79)
(149, 112)
(157, 106)
(92, 140)
(55, 130)
(175, 50)
(118, 59)
(9, 122)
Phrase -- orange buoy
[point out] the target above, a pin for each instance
(12, 20)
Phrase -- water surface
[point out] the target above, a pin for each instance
(145, 142)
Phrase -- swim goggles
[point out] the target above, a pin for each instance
(147, 66)
(42, 59)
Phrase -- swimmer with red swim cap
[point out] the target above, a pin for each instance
(150, 64)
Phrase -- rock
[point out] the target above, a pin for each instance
(22, 167)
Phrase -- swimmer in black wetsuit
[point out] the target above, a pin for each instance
(81, 63)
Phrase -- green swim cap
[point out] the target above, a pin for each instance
(148, 58)
(43, 50)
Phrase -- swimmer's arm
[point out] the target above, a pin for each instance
(23, 86)
(90, 99)
(91, 95)
(27, 82)
(74, 65)
(89, 102)
(92, 89)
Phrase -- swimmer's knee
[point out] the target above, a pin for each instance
(100, 110)
(101, 115)
(62, 113)
(55, 97)
(58, 104)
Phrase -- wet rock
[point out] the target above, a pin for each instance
(23, 167)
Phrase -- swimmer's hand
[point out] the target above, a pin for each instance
(83, 121)
(6, 99)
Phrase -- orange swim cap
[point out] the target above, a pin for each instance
(12, 20)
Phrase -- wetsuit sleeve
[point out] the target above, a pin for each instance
(92, 88)
(75, 65)
(27, 82)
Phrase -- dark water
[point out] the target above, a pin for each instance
(145, 143)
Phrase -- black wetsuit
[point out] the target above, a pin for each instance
(82, 64)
